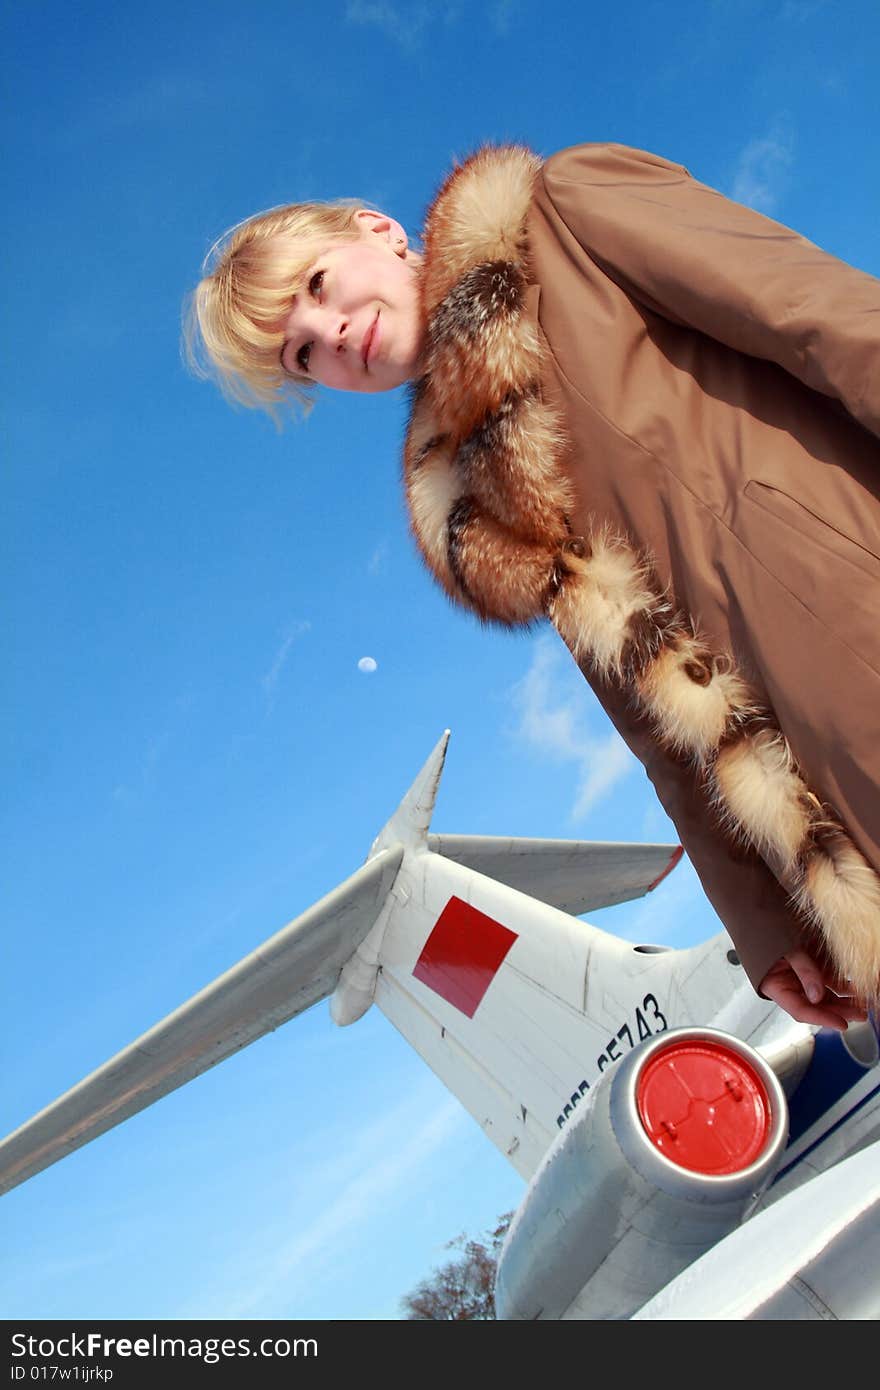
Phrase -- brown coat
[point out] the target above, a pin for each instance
(651, 415)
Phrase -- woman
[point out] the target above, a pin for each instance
(651, 416)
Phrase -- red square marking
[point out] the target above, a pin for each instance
(462, 956)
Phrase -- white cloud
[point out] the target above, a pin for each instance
(404, 21)
(762, 170)
(656, 825)
(801, 10)
(377, 559)
(661, 916)
(501, 12)
(405, 24)
(130, 792)
(368, 664)
(160, 99)
(371, 1169)
(557, 725)
(270, 680)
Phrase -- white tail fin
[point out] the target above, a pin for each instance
(515, 1004)
(464, 944)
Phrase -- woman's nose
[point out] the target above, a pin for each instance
(337, 334)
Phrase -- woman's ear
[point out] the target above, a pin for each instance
(378, 224)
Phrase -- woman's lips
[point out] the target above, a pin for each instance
(371, 341)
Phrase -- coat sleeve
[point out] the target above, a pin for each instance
(751, 903)
(690, 254)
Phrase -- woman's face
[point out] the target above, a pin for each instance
(356, 325)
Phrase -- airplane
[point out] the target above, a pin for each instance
(689, 1150)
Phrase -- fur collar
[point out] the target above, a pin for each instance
(482, 456)
(489, 502)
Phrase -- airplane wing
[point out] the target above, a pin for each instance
(574, 875)
(813, 1254)
(294, 969)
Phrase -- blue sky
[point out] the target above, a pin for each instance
(191, 753)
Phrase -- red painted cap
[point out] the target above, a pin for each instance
(704, 1107)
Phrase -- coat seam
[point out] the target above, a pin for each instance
(527, 461)
(716, 516)
(869, 566)
(661, 462)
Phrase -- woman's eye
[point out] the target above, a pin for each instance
(315, 283)
(302, 357)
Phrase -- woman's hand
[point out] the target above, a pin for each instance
(800, 986)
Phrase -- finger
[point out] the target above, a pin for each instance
(847, 1006)
(842, 990)
(829, 1014)
(787, 994)
(810, 975)
(822, 985)
(822, 1017)
(850, 1009)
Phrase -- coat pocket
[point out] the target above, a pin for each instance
(833, 576)
(813, 528)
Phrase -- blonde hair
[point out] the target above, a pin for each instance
(231, 323)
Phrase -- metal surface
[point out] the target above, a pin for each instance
(659, 1171)
(574, 875)
(286, 975)
(543, 1042)
(607, 1219)
(814, 1255)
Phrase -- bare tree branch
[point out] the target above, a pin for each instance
(462, 1289)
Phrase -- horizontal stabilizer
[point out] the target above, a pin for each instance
(573, 875)
(294, 969)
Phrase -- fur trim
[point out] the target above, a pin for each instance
(840, 893)
(490, 502)
(691, 701)
(605, 595)
(755, 784)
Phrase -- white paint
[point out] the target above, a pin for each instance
(733, 1279)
